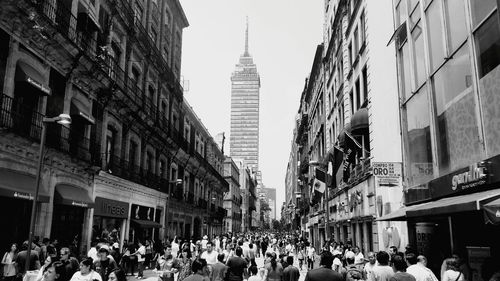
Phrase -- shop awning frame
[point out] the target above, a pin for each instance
(66, 194)
(146, 223)
(20, 186)
(398, 215)
(492, 211)
(31, 77)
(77, 111)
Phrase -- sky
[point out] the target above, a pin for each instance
(283, 36)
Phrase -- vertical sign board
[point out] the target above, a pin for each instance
(387, 174)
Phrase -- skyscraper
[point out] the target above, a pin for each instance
(245, 85)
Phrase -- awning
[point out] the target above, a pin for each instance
(20, 186)
(359, 121)
(492, 212)
(398, 215)
(146, 223)
(26, 74)
(78, 111)
(450, 205)
(66, 194)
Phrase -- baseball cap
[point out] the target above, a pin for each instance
(104, 249)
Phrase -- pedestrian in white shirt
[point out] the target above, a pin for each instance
(210, 255)
(359, 258)
(418, 269)
(141, 257)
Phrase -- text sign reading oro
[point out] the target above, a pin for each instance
(386, 169)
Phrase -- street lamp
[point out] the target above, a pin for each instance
(316, 163)
(63, 119)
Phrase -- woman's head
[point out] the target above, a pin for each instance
(199, 265)
(186, 252)
(47, 261)
(117, 275)
(13, 247)
(86, 265)
(452, 264)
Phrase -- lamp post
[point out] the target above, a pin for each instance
(63, 119)
(326, 197)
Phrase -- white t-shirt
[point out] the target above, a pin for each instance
(359, 258)
(92, 253)
(211, 258)
(451, 275)
(141, 252)
(89, 277)
(421, 273)
(175, 249)
(254, 278)
(310, 252)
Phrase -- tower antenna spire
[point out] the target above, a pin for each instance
(246, 41)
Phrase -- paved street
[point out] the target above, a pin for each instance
(149, 275)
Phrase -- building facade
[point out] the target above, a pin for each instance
(348, 127)
(245, 86)
(448, 66)
(122, 168)
(233, 198)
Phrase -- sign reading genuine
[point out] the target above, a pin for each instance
(110, 208)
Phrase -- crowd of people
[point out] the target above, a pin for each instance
(226, 258)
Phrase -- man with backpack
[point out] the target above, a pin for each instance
(352, 272)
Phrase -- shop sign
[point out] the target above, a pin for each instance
(110, 208)
(387, 174)
(79, 204)
(469, 179)
(23, 195)
(425, 232)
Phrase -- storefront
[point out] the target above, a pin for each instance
(71, 206)
(459, 215)
(110, 217)
(143, 223)
(17, 191)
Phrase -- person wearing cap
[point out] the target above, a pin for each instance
(104, 265)
(352, 272)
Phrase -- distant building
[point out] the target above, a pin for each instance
(245, 86)
(233, 198)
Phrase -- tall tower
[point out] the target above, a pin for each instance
(245, 86)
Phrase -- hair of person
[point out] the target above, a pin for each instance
(88, 262)
(326, 259)
(399, 263)
(250, 245)
(452, 263)
(269, 255)
(120, 274)
(254, 270)
(45, 240)
(59, 268)
(220, 257)
(383, 258)
(188, 251)
(422, 259)
(274, 263)
(411, 258)
(17, 247)
(239, 251)
(198, 264)
(394, 248)
(289, 260)
(209, 243)
(349, 260)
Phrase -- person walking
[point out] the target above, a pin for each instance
(418, 269)
(382, 271)
(324, 272)
(9, 263)
(209, 255)
(311, 253)
(86, 272)
(185, 263)
(104, 265)
(274, 270)
(290, 273)
(300, 256)
(451, 272)
(368, 268)
(399, 266)
(219, 269)
(141, 258)
(237, 266)
(167, 265)
(70, 263)
(199, 269)
(352, 272)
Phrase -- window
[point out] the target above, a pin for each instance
(435, 31)
(162, 169)
(355, 43)
(351, 101)
(419, 139)
(358, 94)
(362, 28)
(455, 16)
(138, 12)
(480, 9)
(488, 45)
(350, 54)
(132, 154)
(110, 145)
(364, 74)
(418, 54)
(405, 71)
(457, 130)
(401, 12)
(153, 34)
